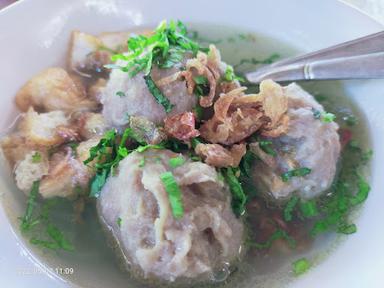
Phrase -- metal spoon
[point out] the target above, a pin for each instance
(362, 58)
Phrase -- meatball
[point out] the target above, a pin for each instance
(124, 96)
(138, 100)
(134, 207)
(309, 143)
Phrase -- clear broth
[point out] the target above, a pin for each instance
(94, 263)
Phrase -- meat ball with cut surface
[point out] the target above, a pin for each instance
(309, 142)
(134, 207)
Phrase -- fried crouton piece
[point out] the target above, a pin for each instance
(54, 89)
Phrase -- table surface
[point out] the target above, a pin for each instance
(374, 8)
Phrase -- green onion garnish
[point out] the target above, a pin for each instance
(159, 96)
(26, 221)
(36, 157)
(278, 234)
(174, 194)
(299, 172)
(301, 266)
(120, 93)
(309, 209)
(327, 117)
(290, 207)
(176, 161)
(238, 196)
(267, 147)
(347, 229)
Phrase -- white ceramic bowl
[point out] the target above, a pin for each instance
(34, 35)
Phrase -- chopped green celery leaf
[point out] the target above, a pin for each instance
(36, 157)
(73, 146)
(200, 80)
(229, 75)
(47, 206)
(107, 141)
(142, 163)
(31, 203)
(158, 95)
(198, 111)
(309, 208)
(196, 158)
(248, 188)
(238, 196)
(290, 207)
(44, 243)
(321, 98)
(201, 90)
(195, 141)
(323, 116)
(118, 222)
(347, 229)
(120, 93)
(59, 241)
(175, 55)
(58, 237)
(176, 161)
(174, 194)
(174, 145)
(122, 152)
(320, 226)
(165, 47)
(278, 234)
(301, 266)
(142, 149)
(98, 182)
(129, 133)
(350, 120)
(246, 163)
(327, 223)
(254, 61)
(366, 156)
(327, 117)
(299, 172)
(267, 147)
(354, 144)
(362, 193)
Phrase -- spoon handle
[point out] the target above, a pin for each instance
(357, 59)
(365, 45)
(354, 67)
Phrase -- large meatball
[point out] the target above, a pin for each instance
(139, 101)
(309, 142)
(134, 207)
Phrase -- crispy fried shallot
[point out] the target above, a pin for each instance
(181, 126)
(238, 115)
(218, 156)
